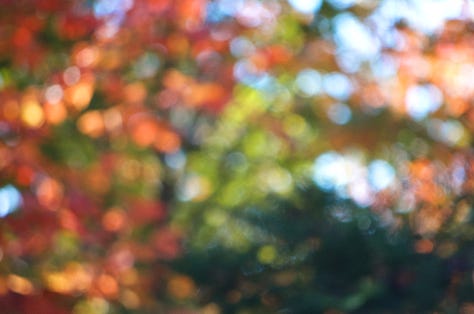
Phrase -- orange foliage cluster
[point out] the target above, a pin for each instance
(436, 171)
(75, 65)
(445, 61)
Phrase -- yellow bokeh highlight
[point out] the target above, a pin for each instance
(129, 277)
(111, 59)
(112, 120)
(181, 287)
(19, 285)
(130, 169)
(91, 123)
(92, 306)
(197, 188)
(215, 218)
(267, 254)
(80, 95)
(177, 44)
(211, 308)
(130, 299)
(294, 125)
(59, 282)
(32, 114)
(55, 113)
(74, 278)
(86, 56)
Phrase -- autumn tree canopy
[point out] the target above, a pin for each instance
(236, 156)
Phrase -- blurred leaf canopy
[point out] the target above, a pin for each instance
(245, 156)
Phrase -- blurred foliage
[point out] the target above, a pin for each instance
(245, 156)
(312, 253)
